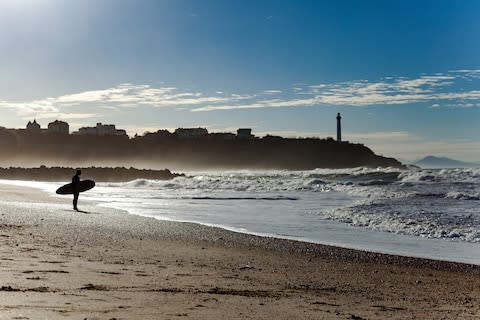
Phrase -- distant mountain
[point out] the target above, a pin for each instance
(443, 162)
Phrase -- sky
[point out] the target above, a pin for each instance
(405, 75)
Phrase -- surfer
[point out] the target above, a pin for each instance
(76, 188)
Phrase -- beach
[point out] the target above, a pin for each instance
(107, 264)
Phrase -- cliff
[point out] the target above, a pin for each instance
(170, 151)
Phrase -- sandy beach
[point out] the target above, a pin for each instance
(56, 263)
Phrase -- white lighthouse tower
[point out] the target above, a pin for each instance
(339, 128)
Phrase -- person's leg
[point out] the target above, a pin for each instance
(75, 200)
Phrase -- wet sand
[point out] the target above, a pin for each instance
(56, 263)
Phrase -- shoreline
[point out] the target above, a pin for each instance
(308, 245)
(108, 263)
(266, 241)
(244, 240)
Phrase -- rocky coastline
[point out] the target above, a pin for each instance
(99, 174)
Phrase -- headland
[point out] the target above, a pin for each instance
(183, 148)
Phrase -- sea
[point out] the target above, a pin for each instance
(417, 212)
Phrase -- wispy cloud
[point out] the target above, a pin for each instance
(468, 74)
(386, 91)
(143, 95)
(64, 116)
(455, 105)
(122, 96)
(272, 91)
(439, 90)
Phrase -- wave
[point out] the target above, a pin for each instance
(244, 198)
(440, 203)
(452, 195)
(315, 180)
(463, 196)
(471, 175)
(366, 182)
(419, 217)
(146, 184)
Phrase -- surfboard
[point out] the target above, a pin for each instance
(83, 186)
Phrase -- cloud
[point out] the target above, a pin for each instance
(122, 96)
(272, 91)
(467, 74)
(387, 91)
(43, 109)
(30, 109)
(147, 95)
(455, 106)
(130, 94)
(63, 116)
(439, 90)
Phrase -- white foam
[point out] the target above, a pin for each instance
(360, 208)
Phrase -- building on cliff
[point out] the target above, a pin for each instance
(191, 133)
(101, 130)
(245, 133)
(58, 127)
(161, 134)
(33, 127)
(224, 136)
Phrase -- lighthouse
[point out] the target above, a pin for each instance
(339, 128)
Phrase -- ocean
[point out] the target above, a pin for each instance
(422, 213)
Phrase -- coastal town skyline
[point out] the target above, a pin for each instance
(194, 148)
(404, 75)
(101, 129)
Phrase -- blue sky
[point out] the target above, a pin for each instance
(404, 74)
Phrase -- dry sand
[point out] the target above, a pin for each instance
(56, 263)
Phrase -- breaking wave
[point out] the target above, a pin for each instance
(440, 203)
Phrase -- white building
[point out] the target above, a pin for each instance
(87, 131)
(59, 127)
(106, 129)
(191, 133)
(102, 130)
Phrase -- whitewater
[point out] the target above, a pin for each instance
(423, 213)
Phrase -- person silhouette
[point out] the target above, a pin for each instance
(76, 188)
